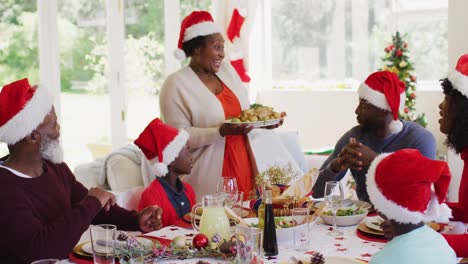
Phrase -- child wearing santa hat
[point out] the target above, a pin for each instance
(167, 150)
(408, 189)
(454, 123)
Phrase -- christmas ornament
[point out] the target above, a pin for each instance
(178, 242)
(200, 241)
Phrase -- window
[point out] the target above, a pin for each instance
(19, 46)
(144, 58)
(83, 64)
(337, 43)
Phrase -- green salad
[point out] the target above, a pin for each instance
(280, 223)
(345, 212)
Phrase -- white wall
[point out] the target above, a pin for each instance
(323, 116)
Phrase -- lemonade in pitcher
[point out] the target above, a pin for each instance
(214, 219)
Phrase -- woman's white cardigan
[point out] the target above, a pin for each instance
(186, 102)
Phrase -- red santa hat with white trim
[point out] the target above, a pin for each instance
(459, 76)
(161, 145)
(198, 23)
(22, 109)
(384, 90)
(408, 188)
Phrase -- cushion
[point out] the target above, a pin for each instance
(123, 174)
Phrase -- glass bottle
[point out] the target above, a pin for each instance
(270, 245)
(261, 207)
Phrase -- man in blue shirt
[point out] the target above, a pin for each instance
(408, 189)
(381, 97)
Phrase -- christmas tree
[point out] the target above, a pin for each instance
(397, 60)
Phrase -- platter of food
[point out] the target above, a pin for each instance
(257, 116)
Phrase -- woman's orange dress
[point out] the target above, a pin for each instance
(236, 158)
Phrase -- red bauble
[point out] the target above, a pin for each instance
(412, 96)
(412, 78)
(406, 110)
(399, 53)
(405, 45)
(200, 241)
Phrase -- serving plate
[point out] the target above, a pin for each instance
(256, 124)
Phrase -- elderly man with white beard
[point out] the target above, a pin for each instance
(44, 210)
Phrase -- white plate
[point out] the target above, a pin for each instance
(374, 223)
(256, 124)
(87, 247)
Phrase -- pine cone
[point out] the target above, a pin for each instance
(317, 258)
(226, 246)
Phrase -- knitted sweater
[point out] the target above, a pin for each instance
(187, 103)
(411, 136)
(44, 217)
(460, 211)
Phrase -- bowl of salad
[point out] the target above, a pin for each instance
(345, 216)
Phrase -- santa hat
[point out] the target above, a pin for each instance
(459, 77)
(161, 144)
(198, 23)
(22, 109)
(399, 185)
(384, 90)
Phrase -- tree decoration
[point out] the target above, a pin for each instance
(397, 60)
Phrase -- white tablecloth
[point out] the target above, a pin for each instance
(349, 244)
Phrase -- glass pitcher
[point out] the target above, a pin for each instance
(213, 219)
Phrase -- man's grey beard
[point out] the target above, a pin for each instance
(52, 150)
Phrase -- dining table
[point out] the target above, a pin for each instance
(351, 244)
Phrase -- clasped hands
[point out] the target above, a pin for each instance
(354, 155)
(149, 219)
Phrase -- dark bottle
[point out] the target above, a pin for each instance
(270, 245)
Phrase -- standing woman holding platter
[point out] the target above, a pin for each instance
(198, 98)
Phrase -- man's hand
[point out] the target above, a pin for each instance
(353, 156)
(149, 219)
(367, 154)
(106, 198)
(348, 158)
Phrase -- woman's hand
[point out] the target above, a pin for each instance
(232, 129)
(275, 126)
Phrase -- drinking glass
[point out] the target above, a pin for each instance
(228, 186)
(103, 243)
(249, 244)
(334, 197)
(46, 261)
(237, 199)
(300, 216)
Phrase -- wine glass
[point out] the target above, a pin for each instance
(334, 196)
(228, 186)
